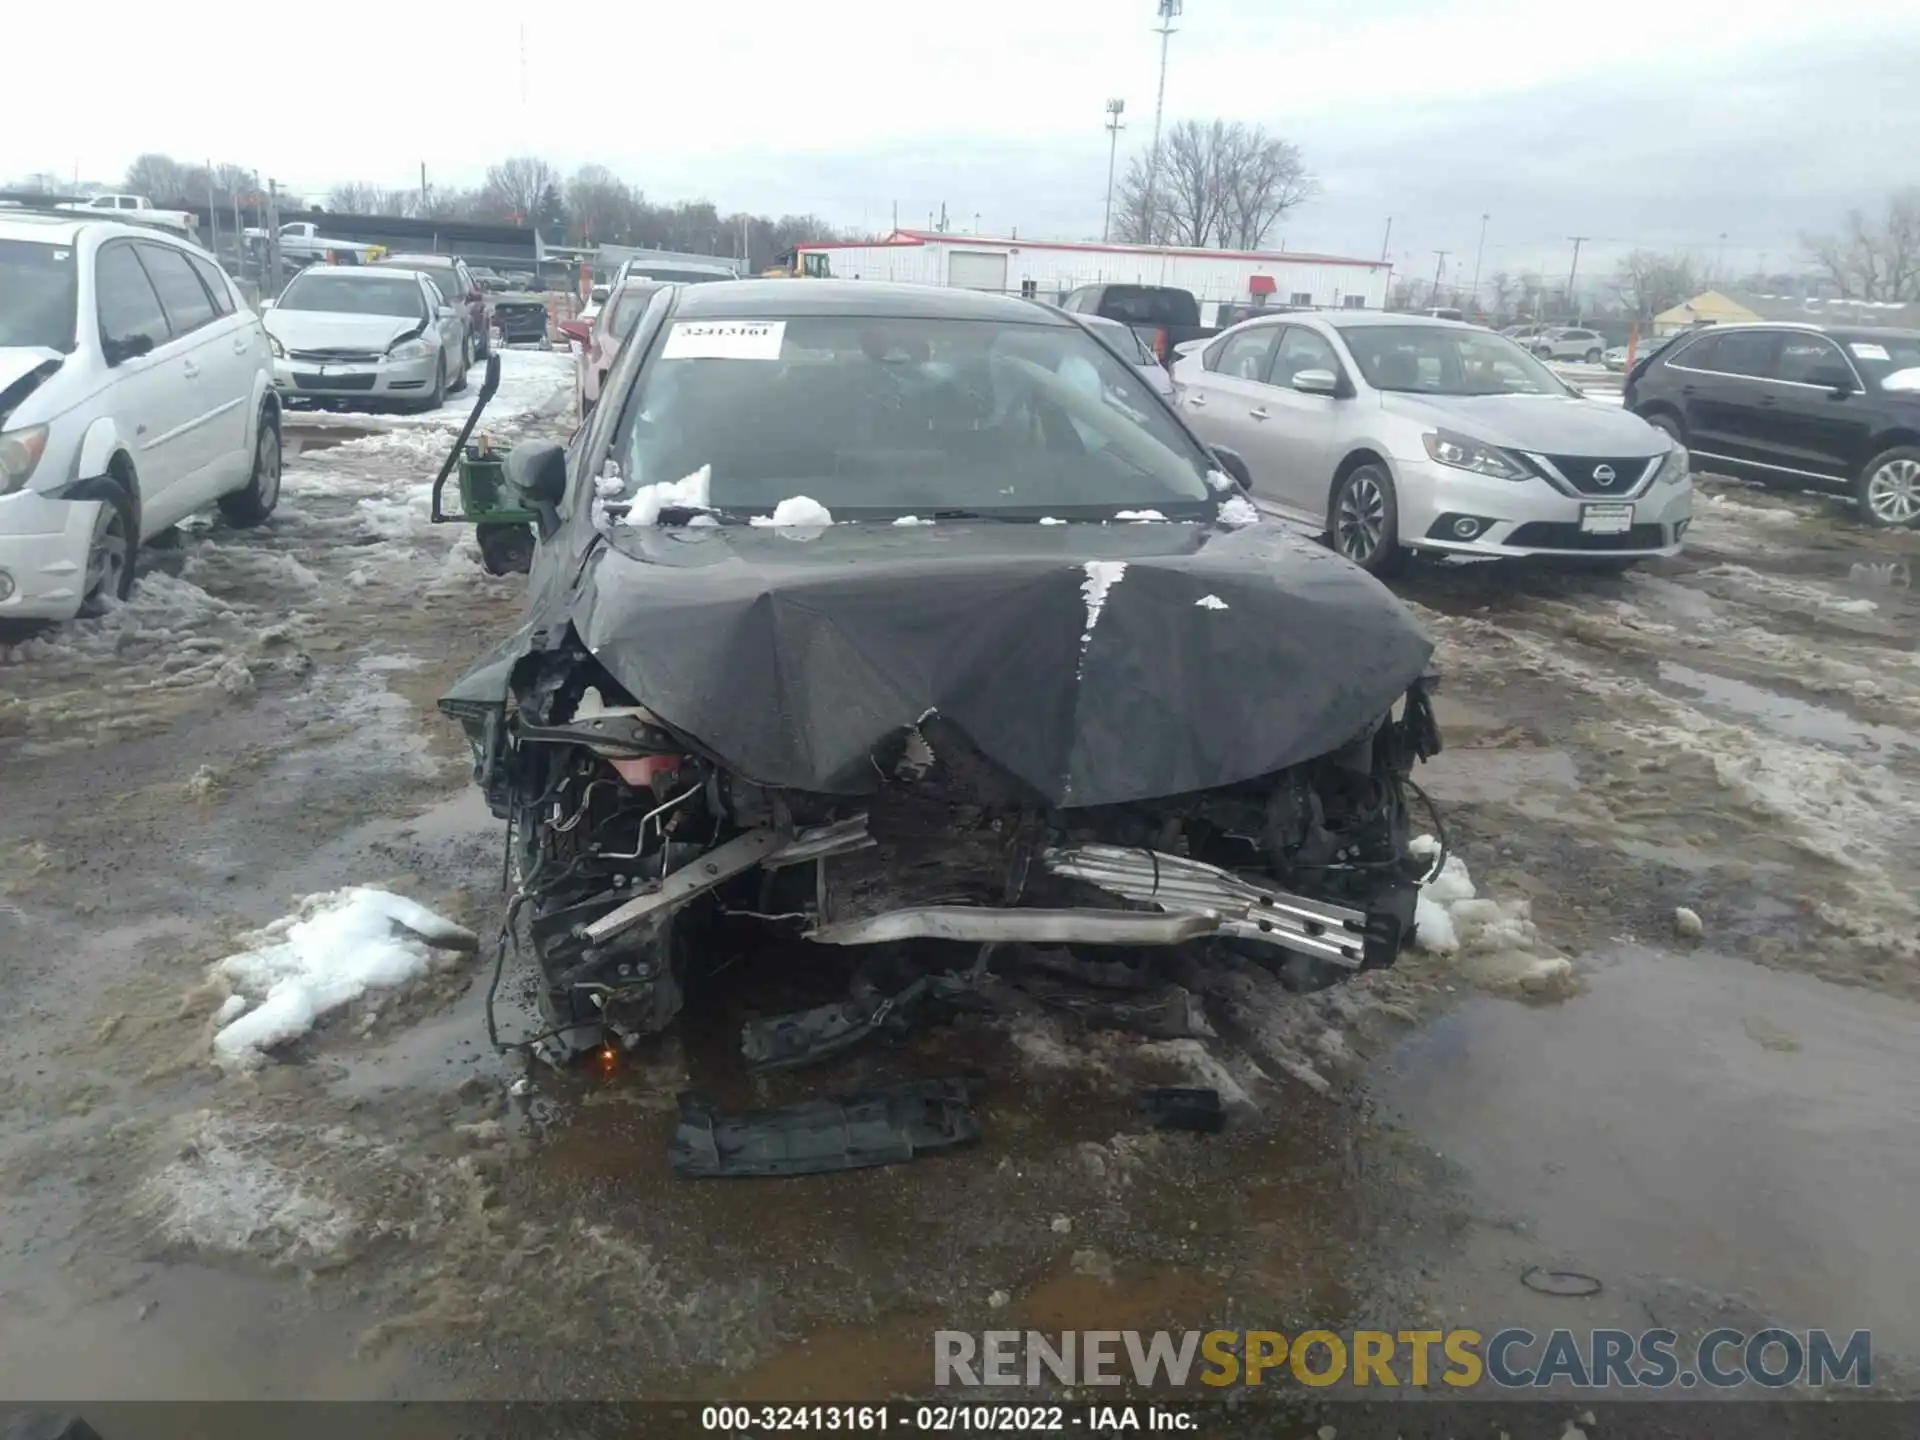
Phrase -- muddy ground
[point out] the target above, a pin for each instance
(1718, 1129)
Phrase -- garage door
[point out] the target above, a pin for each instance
(970, 270)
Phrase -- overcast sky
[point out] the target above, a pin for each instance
(1659, 123)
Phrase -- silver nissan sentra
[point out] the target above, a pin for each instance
(1400, 433)
(348, 332)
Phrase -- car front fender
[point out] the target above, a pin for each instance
(98, 446)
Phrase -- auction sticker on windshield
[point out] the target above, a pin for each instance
(725, 340)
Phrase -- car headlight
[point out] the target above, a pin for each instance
(410, 350)
(1444, 447)
(20, 451)
(279, 350)
(1675, 467)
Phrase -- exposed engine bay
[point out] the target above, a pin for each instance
(626, 838)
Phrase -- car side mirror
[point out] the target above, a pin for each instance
(580, 330)
(1231, 462)
(537, 471)
(265, 305)
(1316, 382)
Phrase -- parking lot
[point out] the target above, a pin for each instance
(1731, 732)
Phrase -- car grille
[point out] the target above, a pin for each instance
(336, 357)
(1567, 535)
(1585, 473)
(333, 382)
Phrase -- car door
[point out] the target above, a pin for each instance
(1721, 381)
(152, 399)
(1815, 414)
(241, 348)
(1220, 397)
(449, 321)
(1292, 430)
(218, 411)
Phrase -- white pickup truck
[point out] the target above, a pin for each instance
(138, 210)
(301, 242)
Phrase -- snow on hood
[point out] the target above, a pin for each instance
(1549, 424)
(17, 362)
(323, 330)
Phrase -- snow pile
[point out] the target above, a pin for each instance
(1221, 481)
(1211, 602)
(1496, 942)
(330, 952)
(796, 511)
(690, 492)
(1141, 516)
(1237, 510)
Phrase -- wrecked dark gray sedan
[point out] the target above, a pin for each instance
(911, 618)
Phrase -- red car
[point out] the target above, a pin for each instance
(599, 339)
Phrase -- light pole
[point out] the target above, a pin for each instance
(1478, 252)
(1169, 11)
(1573, 312)
(1115, 109)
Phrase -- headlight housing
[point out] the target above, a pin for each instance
(1675, 468)
(1445, 447)
(20, 451)
(415, 349)
(273, 344)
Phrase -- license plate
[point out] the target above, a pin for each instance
(1606, 519)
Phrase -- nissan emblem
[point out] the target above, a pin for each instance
(1603, 475)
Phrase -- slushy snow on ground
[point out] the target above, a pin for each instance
(334, 949)
(796, 510)
(1495, 941)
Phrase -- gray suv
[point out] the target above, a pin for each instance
(1396, 433)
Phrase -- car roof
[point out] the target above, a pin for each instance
(723, 299)
(359, 270)
(1864, 333)
(24, 224)
(1360, 319)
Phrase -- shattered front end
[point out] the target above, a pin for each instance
(629, 839)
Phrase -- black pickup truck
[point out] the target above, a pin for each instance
(1161, 315)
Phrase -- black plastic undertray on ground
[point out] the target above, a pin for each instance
(881, 1127)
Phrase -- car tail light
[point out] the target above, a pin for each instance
(1160, 345)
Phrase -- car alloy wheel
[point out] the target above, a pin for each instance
(1893, 492)
(1360, 519)
(107, 558)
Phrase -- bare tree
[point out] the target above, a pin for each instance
(1875, 258)
(516, 186)
(603, 206)
(1219, 184)
(355, 198)
(1501, 285)
(161, 178)
(1648, 282)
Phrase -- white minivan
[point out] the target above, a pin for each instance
(136, 387)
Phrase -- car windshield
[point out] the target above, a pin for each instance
(1442, 360)
(1123, 339)
(353, 295)
(627, 308)
(37, 290)
(872, 416)
(1881, 358)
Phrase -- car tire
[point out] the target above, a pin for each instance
(1888, 489)
(466, 364)
(1543, 352)
(1593, 357)
(1363, 520)
(1668, 425)
(252, 505)
(110, 554)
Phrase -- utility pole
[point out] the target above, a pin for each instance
(1720, 257)
(425, 207)
(1573, 309)
(1169, 11)
(896, 215)
(1386, 237)
(1439, 265)
(1115, 109)
(1479, 252)
(213, 216)
(270, 282)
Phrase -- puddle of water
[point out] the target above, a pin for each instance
(1793, 719)
(1690, 1123)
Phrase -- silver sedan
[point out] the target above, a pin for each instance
(346, 332)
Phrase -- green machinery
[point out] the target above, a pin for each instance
(504, 528)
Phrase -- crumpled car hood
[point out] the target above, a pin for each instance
(325, 330)
(1100, 664)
